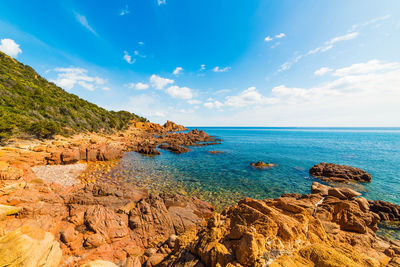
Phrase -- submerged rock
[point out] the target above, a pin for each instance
(262, 165)
(330, 172)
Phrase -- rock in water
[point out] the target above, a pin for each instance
(331, 172)
(29, 247)
(262, 165)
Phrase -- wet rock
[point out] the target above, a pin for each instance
(216, 152)
(262, 165)
(387, 211)
(174, 148)
(147, 149)
(339, 173)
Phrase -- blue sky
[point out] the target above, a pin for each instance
(218, 63)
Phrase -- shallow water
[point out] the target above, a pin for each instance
(225, 178)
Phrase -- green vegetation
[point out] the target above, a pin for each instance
(30, 105)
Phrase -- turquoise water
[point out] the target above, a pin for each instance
(225, 178)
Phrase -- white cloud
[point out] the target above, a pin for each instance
(128, 58)
(214, 104)
(278, 36)
(10, 47)
(218, 69)
(372, 21)
(106, 88)
(180, 92)
(137, 86)
(194, 102)
(67, 78)
(140, 43)
(142, 86)
(83, 21)
(268, 39)
(124, 11)
(161, 2)
(345, 37)
(177, 71)
(322, 71)
(320, 49)
(248, 97)
(159, 114)
(365, 96)
(159, 82)
(202, 67)
(368, 67)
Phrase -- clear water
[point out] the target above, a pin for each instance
(222, 179)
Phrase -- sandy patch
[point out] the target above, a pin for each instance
(62, 174)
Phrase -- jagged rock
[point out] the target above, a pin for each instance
(147, 149)
(387, 211)
(105, 222)
(170, 126)
(339, 173)
(27, 246)
(174, 148)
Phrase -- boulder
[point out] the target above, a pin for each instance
(30, 247)
(317, 188)
(339, 173)
(343, 193)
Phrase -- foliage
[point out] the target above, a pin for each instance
(29, 104)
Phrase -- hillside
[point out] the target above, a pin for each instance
(32, 106)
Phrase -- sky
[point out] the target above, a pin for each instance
(218, 62)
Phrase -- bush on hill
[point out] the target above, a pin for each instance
(29, 104)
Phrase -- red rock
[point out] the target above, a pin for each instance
(339, 173)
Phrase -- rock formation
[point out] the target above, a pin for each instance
(310, 230)
(330, 172)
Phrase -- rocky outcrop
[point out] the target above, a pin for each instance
(8, 172)
(103, 221)
(174, 148)
(262, 165)
(294, 230)
(28, 246)
(170, 126)
(102, 152)
(330, 172)
(387, 211)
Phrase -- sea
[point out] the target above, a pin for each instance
(227, 177)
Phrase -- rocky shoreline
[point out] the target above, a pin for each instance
(99, 224)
